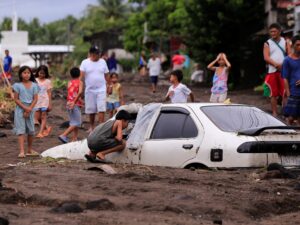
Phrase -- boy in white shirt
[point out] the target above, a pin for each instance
(154, 66)
(178, 92)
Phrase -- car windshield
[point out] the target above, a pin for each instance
(234, 118)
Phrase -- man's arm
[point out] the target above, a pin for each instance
(82, 75)
(192, 97)
(287, 87)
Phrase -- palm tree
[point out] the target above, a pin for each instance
(113, 9)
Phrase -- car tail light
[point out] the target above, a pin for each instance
(216, 155)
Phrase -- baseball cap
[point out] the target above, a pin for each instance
(94, 50)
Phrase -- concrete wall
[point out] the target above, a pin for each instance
(16, 43)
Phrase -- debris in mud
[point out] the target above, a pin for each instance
(101, 204)
(104, 168)
(2, 135)
(276, 170)
(68, 207)
(220, 222)
(173, 209)
(297, 187)
(3, 221)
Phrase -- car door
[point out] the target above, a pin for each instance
(175, 138)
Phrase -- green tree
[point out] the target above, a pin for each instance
(228, 26)
(163, 19)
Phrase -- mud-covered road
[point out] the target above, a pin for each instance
(45, 191)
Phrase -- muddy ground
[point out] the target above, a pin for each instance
(44, 191)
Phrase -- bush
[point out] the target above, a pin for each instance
(59, 83)
(128, 64)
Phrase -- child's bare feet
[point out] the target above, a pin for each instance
(32, 153)
(47, 131)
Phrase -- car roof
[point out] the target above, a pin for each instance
(200, 104)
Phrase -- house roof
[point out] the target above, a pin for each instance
(49, 49)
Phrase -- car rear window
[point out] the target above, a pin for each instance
(237, 118)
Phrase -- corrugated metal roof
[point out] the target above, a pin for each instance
(49, 49)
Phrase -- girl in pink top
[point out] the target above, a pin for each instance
(44, 103)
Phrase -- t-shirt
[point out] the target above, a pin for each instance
(115, 95)
(43, 98)
(276, 54)
(7, 61)
(112, 64)
(26, 95)
(73, 90)
(94, 75)
(180, 93)
(220, 82)
(178, 59)
(291, 72)
(154, 67)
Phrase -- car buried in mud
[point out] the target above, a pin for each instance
(200, 135)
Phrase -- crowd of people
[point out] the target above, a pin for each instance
(95, 87)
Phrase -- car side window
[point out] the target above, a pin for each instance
(174, 125)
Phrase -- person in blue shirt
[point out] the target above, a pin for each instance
(112, 63)
(291, 76)
(7, 64)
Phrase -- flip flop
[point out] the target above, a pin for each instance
(32, 153)
(39, 136)
(21, 156)
(63, 139)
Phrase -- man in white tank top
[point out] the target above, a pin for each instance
(275, 50)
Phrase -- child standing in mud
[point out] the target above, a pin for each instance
(115, 95)
(74, 104)
(25, 96)
(44, 103)
(178, 92)
(219, 88)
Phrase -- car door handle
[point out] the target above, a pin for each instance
(187, 146)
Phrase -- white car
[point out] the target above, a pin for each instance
(201, 135)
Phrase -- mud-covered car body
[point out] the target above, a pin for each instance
(210, 135)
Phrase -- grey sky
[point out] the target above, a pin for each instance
(45, 10)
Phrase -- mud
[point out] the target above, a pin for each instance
(47, 191)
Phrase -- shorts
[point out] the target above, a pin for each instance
(154, 79)
(275, 83)
(75, 116)
(102, 144)
(292, 107)
(42, 109)
(95, 102)
(112, 105)
(8, 75)
(218, 98)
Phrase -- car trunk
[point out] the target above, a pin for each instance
(280, 146)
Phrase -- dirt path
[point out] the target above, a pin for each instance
(40, 191)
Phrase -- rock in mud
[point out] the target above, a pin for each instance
(68, 207)
(3, 221)
(101, 204)
(276, 170)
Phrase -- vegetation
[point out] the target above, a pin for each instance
(206, 27)
(7, 106)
